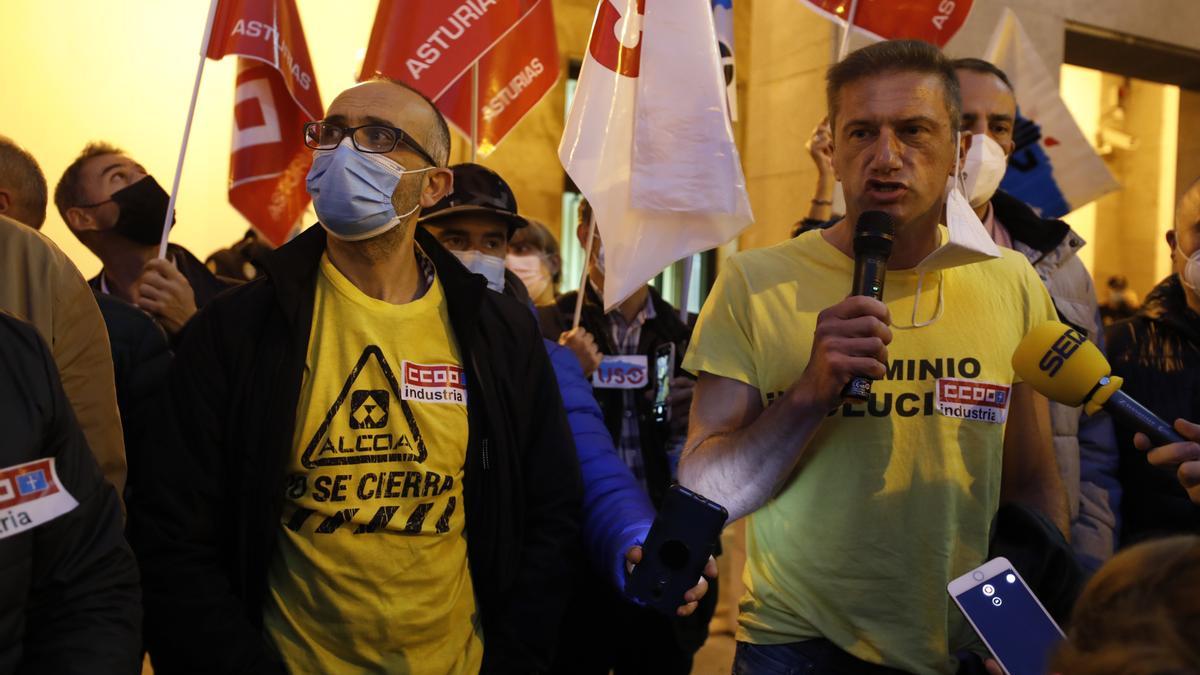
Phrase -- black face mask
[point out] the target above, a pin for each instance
(143, 207)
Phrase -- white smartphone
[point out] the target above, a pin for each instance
(1008, 617)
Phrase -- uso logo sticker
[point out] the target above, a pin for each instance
(621, 372)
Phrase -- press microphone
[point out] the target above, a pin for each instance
(1059, 362)
(873, 235)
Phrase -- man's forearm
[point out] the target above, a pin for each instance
(742, 469)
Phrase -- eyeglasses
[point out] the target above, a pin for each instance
(373, 138)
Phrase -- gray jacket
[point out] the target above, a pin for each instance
(1085, 446)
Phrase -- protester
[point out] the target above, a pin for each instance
(1085, 446)
(242, 260)
(534, 257)
(820, 209)
(117, 211)
(69, 599)
(863, 514)
(1139, 615)
(366, 464)
(627, 636)
(22, 185)
(39, 284)
(1157, 353)
(477, 222)
(1122, 302)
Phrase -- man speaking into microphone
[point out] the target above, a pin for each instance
(864, 511)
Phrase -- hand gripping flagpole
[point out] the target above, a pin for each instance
(187, 130)
(583, 278)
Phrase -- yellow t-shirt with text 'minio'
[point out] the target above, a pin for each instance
(894, 497)
(371, 573)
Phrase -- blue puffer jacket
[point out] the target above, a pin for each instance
(617, 512)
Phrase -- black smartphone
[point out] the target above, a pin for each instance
(664, 370)
(683, 536)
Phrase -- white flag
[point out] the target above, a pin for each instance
(649, 143)
(1053, 168)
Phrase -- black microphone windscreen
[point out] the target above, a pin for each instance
(873, 234)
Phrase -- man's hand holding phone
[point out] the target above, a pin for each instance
(691, 599)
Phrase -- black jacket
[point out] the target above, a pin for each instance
(1158, 354)
(206, 526)
(663, 328)
(69, 598)
(141, 358)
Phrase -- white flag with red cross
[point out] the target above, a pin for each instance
(648, 140)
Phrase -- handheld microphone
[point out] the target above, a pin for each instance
(1060, 363)
(873, 235)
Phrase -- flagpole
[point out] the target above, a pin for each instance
(844, 47)
(474, 111)
(187, 130)
(687, 288)
(583, 278)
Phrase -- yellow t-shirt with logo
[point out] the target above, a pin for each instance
(371, 573)
(895, 497)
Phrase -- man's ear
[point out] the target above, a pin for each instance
(1171, 241)
(5, 201)
(81, 220)
(439, 184)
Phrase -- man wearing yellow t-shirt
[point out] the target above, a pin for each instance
(367, 466)
(862, 513)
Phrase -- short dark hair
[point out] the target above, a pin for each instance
(893, 56)
(69, 191)
(20, 172)
(985, 67)
(439, 145)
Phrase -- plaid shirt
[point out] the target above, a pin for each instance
(625, 336)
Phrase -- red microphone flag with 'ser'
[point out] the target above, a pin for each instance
(276, 95)
(934, 21)
(513, 78)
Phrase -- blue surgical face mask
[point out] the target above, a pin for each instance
(352, 192)
(488, 266)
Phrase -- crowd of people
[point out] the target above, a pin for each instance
(381, 447)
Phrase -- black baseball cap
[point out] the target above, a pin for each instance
(477, 189)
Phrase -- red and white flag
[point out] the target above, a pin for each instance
(514, 76)
(276, 96)
(430, 44)
(648, 140)
(934, 21)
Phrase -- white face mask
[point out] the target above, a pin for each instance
(968, 242)
(983, 170)
(1190, 276)
(532, 270)
(488, 266)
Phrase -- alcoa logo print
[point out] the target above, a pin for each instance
(616, 40)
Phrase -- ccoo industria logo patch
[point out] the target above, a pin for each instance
(359, 427)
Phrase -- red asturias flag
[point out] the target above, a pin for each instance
(276, 95)
(934, 21)
(513, 77)
(429, 44)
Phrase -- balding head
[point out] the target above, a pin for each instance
(23, 192)
(395, 104)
